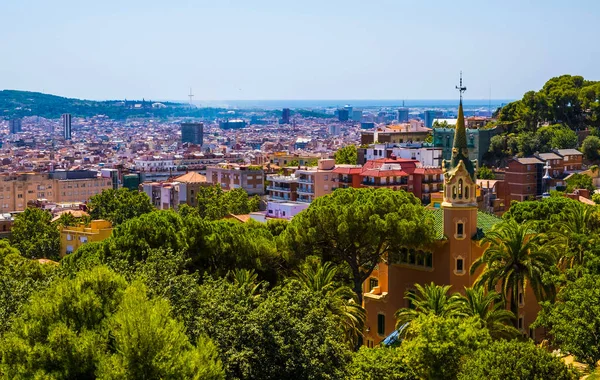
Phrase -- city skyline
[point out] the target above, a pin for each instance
(312, 50)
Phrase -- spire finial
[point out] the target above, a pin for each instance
(460, 87)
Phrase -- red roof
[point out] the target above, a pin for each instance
(343, 170)
(383, 173)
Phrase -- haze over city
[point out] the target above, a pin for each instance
(293, 50)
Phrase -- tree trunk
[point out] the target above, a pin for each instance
(358, 287)
(514, 307)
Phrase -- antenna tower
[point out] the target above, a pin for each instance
(191, 95)
(461, 88)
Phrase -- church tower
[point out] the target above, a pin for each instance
(460, 203)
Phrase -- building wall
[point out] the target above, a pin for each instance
(74, 237)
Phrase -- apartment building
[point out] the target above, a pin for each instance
(73, 237)
(234, 176)
(17, 189)
(413, 131)
(282, 187)
(314, 182)
(425, 153)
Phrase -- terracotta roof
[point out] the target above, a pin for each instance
(241, 218)
(191, 177)
(347, 170)
(529, 160)
(384, 173)
(75, 213)
(428, 171)
(569, 152)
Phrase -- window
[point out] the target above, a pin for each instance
(380, 324)
(69, 249)
(460, 229)
(370, 343)
(521, 301)
(460, 188)
(459, 265)
(467, 192)
(532, 333)
(521, 323)
(326, 178)
(373, 282)
(453, 192)
(429, 260)
(69, 237)
(83, 239)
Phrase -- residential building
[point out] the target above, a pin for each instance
(282, 187)
(232, 124)
(234, 176)
(314, 182)
(425, 153)
(413, 131)
(190, 186)
(19, 189)
(284, 210)
(66, 122)
(192, 133)
(164, 195)
(73, 237)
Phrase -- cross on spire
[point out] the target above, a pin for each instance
(461, 88)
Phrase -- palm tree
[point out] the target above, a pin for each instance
(429, 299)
(575, 231)
(247, 281)
(516, 257)
(341, 299)
(489, 308)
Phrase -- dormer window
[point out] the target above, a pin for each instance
(467, 192)
(460, 188)
(460, 229)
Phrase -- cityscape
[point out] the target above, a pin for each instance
(438, 232)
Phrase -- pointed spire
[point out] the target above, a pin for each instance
(460, 133)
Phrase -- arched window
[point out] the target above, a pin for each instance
(460, 188)
(453, 192)
(467, 192)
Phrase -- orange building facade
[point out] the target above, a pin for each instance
(459, 227)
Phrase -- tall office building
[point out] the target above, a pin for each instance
(403, 115)
(14, 126)
(192, 133)
(428, 117)
(66, 120)
(285, 116)
(343, 114)
(357, 115)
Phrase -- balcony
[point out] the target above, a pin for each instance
(278, 198)
(306, 180)
(393, 183)
(305, 190)
(345, 180)
(304, 199)
(279, 188)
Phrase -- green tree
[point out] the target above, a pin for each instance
(574, 319)
(346, 155)
(34, 235)
(95, 326)
(488, 306)
(19, 279)
(545, 213)
(341, 300)
(380, 364)
(485, 173)
(514, 360)
(435, 345)
(214, 203)
(358, 227)
(66, 219)
(515, 258)
(430, 299)
(580, 181)
(119, 205)
(287, 332)
(591, 148)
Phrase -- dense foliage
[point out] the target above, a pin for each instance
(214, 203)
(34, 235)
(347, 155)
(118, 206)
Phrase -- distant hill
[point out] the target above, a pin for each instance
(15, 103)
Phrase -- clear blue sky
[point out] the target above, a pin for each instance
(294, 49)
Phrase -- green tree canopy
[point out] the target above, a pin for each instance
(35, 236)
(214, 203)
(435, 345)
(346, 155)
(358, 227)
(591, 148)
(119, 205)
(574, 319)
(96, 326)
(485, 173)
(503, 360)
(580, 181)
(380, 364)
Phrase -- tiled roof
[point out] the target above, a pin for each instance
(529, 160)
(569, 152)
(191, 177)
(485, 222)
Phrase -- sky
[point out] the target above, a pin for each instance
(302, 49)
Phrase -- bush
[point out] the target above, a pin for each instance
(514, 360)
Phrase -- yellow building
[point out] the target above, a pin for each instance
(73, 237)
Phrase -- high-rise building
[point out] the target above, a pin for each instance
(357, 115)
(403, 115)
(192, 133)
(429, 115)
(285, 116)
(15, 126)
(66, 120)
(343, 114)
